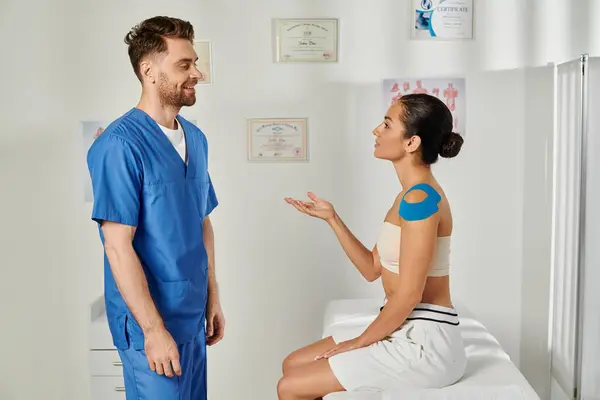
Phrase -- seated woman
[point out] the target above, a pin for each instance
(414, 342)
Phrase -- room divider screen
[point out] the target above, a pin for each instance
(575, 294)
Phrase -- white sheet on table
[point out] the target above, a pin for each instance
(490, 374)
(461, 393)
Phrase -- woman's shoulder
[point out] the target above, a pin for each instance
(419, 202)
(422, 192)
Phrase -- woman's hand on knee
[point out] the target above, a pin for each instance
(343, 347)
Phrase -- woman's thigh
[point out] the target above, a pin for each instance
(307, 354)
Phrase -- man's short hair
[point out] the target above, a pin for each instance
(148, 38)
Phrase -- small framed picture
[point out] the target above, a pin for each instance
(205, 65)
(278, 139)
(306, 40)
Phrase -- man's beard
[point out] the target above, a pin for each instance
(171, 96)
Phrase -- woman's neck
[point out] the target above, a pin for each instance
(410, 173)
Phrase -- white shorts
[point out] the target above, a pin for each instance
(427, 351)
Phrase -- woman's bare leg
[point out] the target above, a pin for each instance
(306, 354)
(308, 382)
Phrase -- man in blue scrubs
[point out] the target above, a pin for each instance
(152, 199)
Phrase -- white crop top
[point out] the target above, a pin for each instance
(388, 246)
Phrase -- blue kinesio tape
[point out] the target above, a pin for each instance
(423, 209)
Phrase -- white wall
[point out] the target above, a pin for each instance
(276, 268)
(560, 30)
(39, 230)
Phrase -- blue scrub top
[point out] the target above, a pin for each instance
(139, 179)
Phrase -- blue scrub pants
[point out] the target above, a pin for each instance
(141, 383)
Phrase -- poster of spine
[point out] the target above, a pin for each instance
(442, 19)
(450, 90)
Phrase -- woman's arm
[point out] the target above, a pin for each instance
(365, 260)
(417, 249)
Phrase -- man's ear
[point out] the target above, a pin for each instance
(147, 71)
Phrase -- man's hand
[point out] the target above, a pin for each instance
(215, 323)
(162, 353)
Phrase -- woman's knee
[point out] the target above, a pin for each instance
(291, 361)
(286, 387)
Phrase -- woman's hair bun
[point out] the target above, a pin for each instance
(451, 144)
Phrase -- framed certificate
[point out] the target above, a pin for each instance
(443, 20)
(306, 40)
(205, 66)
(277, 139)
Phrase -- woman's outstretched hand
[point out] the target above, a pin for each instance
(318, 208)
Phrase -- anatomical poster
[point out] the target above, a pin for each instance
(450, 90)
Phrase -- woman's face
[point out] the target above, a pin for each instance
(390, 141)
